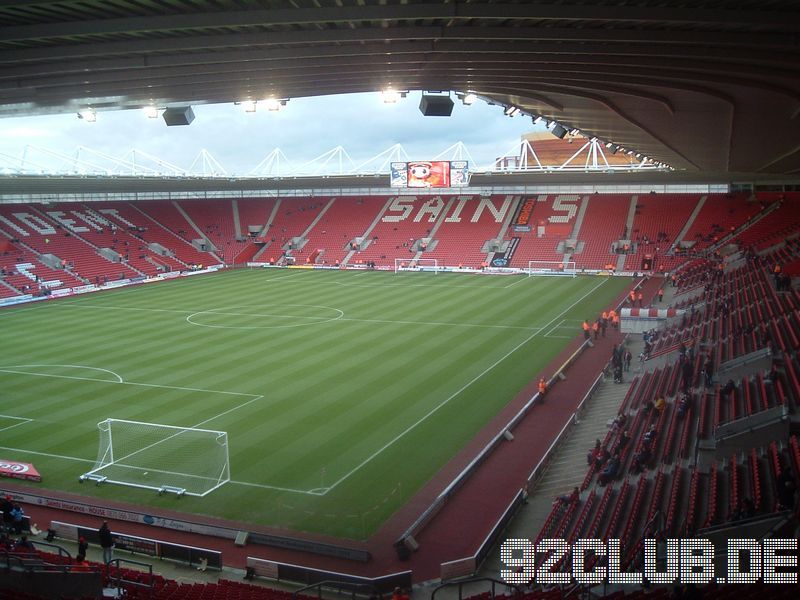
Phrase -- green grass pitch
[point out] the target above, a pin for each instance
(342, 393)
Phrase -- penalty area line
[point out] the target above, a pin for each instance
(48, 455)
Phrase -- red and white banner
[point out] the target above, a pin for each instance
(650, 313)
(19, 470)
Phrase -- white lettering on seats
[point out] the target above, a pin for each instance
(14, 226)
(498, 212)
(455, 215)
(433, 208)
(112, 212)
(404, 205)
(92, 219)
(36, 223)
(562, 203)
(57, 215)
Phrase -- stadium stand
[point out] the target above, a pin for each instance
(675, 474)
(604, 222)
(469, 225)
(347, 219)
(403, 221)
(658, 220)
(557, 223)
(215, 220)
(135, 218)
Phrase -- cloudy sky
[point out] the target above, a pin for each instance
(305, 129)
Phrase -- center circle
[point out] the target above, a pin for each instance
(265, 316)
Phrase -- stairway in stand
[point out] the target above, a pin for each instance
(567, 467)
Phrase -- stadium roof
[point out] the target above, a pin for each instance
(703, 85)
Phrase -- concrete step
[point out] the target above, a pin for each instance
(566, 470)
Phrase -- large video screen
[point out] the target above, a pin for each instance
(429, 174)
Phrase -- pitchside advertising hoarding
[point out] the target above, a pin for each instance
(664, 561)
(19, 470)
(429, 174)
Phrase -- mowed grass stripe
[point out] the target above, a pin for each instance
(334, 393)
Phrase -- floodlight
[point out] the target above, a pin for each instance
(468, 99)
(151, 112)
(273, 104)
(574, 131)
(538, 119)
(390, 96)
(89, 115)
(559, 131)
(249, 106)
(510, 111)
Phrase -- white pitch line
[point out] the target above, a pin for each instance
(47, 454)
(13, 417)
(151, 385)
(312, 318)
(284, 277)
(25, 422)
(552, 329)
(461, 389)
(39, 366)
(419, 285)
(510, 285)
(389, 321)
(278, 488)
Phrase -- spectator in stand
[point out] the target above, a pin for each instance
(683, 405)
(661, 294)
(23, 545)
(106, 542)
(641, 459)
(660, 404)
(650, 435)
(569, 498)
(399, 594)
(620, 421)
(17, 516)
(772, 376)
(6, 505)
(83, 547)
(627, 358)
(728, 389)
(623, 440)
(610, 471)
(745, 510)
(592, 455)
(688, 373)
(708, 372)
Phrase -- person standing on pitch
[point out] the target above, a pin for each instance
(106, 542)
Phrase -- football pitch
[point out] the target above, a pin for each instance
(341, 392)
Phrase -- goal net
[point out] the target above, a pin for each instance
(183, 460)
(430, 265)
(552, 267)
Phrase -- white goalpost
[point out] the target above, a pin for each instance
(552, 267)
(165, 458)
(429, 265)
